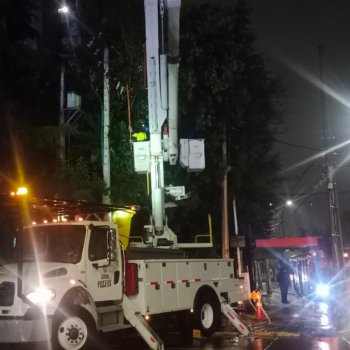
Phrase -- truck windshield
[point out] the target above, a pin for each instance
(54, 243)
(9, 233)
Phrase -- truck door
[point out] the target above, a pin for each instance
(103, 276)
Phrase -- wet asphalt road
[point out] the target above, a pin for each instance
(177, 341)
(301, 325)
(226, 339)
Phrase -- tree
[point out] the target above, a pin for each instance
(109, 25)
(228, 95)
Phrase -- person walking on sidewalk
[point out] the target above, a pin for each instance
(283, 280)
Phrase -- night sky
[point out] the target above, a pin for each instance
(289, 34)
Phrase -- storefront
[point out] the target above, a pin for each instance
(303, 254)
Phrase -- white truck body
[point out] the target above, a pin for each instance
(171, 285)
(87, 284)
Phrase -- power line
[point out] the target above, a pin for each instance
(297, 146)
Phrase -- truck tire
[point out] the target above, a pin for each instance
(207, 314)
(73, 329)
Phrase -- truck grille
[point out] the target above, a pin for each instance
(7, 292)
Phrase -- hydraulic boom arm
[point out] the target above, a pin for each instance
(162, 52)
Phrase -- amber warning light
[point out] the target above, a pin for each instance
(21, 191)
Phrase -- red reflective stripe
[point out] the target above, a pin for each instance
(153, 340)
(231, 315)
(169, 282)
(184, 281)
(197, 279)
(153, 283)
(241, 327)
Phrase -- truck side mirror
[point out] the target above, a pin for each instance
(112, 245)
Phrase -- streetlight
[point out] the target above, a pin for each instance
(63, 9)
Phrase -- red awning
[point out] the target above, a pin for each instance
(288, 242)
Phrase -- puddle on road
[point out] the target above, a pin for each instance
(303, 343)
(269, 343)
(326, 344)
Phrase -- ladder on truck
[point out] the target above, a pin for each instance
(139, 323)
(233, 317)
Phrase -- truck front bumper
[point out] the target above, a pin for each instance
(19, 330)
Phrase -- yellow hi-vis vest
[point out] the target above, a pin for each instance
(139, 136)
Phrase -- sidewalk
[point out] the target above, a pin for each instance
(302, 324)
(301, 317)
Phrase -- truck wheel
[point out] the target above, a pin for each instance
(207, 314)
(73, 330)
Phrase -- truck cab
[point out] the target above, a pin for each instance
(50, 269)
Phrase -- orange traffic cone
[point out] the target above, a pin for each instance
(257, 304)
(259, 313)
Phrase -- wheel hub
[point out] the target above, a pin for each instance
(72, 333)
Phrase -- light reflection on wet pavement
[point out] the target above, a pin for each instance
(300, 325)
(259, 343)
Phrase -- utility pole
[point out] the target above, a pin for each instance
(336, 232)
(282, 221)
(335, 224)
(238, 250)
(106, 166)
(225, 245)
(62, 138)
(225, 231)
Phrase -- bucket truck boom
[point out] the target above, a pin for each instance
(162, 84)
(162, 21)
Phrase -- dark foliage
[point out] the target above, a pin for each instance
(227, 97)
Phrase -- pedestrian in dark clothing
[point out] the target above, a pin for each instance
(283, 280)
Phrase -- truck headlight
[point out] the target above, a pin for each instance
(41, 296)
(322, 290)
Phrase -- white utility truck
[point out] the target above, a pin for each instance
(66, 280)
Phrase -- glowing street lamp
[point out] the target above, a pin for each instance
(289, 202)
(63, 9)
